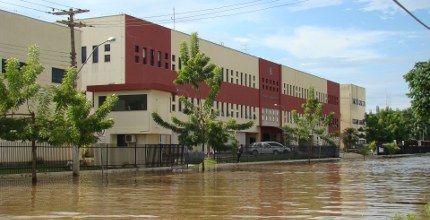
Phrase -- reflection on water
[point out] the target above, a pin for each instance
(355, 189)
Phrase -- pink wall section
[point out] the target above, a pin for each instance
(333, 90)
(152, 37)
(270, 83)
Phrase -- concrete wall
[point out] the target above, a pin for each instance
(100, 73)
(353, 106)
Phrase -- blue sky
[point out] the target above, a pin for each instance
(370, 43)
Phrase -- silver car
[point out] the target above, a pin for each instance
(268, 147)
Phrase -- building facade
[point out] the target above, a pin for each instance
(353, 108)
(141, 64)
(146, 58)
(20, 32)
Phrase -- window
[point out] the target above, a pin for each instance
(3, 62)
(173, 58)
(95, 54)
(83, 54)
(3, 65)
(144, 55)
(107, 58)
(136, 48)
(57, 75)
(166, 66)
(173, 67)
(179, 65)
(152, 57)
(107, 47)
(166, 56)
(128, 102)
(136, 59)
(159, 59)
(120, 140)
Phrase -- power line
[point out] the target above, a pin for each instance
(202, 10)
(410, 13)
(72, 24)
(38, 4)
(205, 15)
(55, 3)
(8, 3)
(218, 12)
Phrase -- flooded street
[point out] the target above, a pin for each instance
(350, 189)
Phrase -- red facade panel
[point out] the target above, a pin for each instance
(147, 53)
(333, 105)
(270, 83)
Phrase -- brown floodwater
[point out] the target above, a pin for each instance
(348, 189)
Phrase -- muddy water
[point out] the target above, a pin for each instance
(354, 189)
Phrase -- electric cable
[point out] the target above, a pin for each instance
(412, 15)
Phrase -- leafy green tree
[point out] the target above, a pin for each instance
(387, 125)
(18, 92)
(71, 119)
(392, 148)
(366, 149)
(419, 89)
(201, 128)
(312, 122)
(289, 135)
(350, 137)
(418, 128)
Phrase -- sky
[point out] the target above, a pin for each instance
(369, 43)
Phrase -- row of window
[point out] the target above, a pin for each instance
(152, 57)
(269, 85)
(299, 92)
(57, 74)
(357, 122)
(358, 102)
(273, 116)
(224, 109)
(128, 102)
(95, 54)
(270, 115)
(238, 78)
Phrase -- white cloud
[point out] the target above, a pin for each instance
(390, 7)
(316, 42)
(311, 4)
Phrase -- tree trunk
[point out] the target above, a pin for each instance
(203, 163)
(34, 155)
(76, 162)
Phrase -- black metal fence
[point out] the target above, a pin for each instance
(409, 147)
(16, 157)
(297, 152)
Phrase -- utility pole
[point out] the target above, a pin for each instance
(72, 24)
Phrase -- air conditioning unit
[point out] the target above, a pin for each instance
(130, 138)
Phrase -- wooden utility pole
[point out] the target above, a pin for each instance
(72, 24)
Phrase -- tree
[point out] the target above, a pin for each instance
(387, 125)
(312, 121)
(419, 89)
(70, 120)
(289, 135)
(18, 92)
(392, 148)
(201, 128)
(350, 136)
(366, 149)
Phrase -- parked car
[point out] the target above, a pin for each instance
(268, 147)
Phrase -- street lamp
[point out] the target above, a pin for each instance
(110, 39)
(283, 109)
(75, 150)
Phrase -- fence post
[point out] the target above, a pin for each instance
(135, 155)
